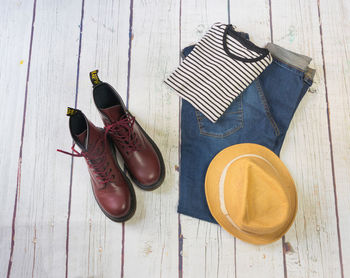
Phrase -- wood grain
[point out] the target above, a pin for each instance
(51, 225)
(39, 248)
(151, 236)
(336, 64)
(95, 242)
(15, 42)
(312, 243)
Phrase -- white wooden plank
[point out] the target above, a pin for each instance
(95, 242)
(151, 237)
(14, 45)
(267, 260)
(312, 242)
(40, 237)
(208, 250)
(335, 20)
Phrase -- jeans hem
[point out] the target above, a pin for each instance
(295, 60)
(194, 215)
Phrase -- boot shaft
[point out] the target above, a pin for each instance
(84, 133)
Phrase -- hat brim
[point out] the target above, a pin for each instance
(212, 189)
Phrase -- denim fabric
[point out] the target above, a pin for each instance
(260, 115)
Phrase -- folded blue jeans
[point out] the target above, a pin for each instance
(261, 115)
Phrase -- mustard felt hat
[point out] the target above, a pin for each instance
(250, 193)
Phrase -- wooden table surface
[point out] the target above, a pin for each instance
(50, 224)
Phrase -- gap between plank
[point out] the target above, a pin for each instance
(284, 257)
(21, 145)
(122, 251)
(235, 256)
(270, 13)
(285, 271)
(180, 236)
(72, 159)
(235, 239)
(229, 12)
(131, 20)
(330, 142)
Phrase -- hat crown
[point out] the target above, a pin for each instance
(255, 198)
(250, 193)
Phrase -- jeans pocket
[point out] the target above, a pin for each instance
(230, 122)
(267, 107)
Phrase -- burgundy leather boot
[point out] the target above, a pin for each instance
(112, 189)
(141, 155)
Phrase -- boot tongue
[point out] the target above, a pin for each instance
(81, 138)
(95, 135)
(89, 138)
(113, 113)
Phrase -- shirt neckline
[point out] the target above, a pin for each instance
(229, 30)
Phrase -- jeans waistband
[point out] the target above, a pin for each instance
(292, 59)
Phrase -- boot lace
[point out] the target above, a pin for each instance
(122, 131)
(96, 161)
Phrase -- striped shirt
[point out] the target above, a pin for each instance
(219, 68)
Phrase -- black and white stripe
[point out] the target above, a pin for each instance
(210, 78)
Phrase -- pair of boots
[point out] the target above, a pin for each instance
(111, 187)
